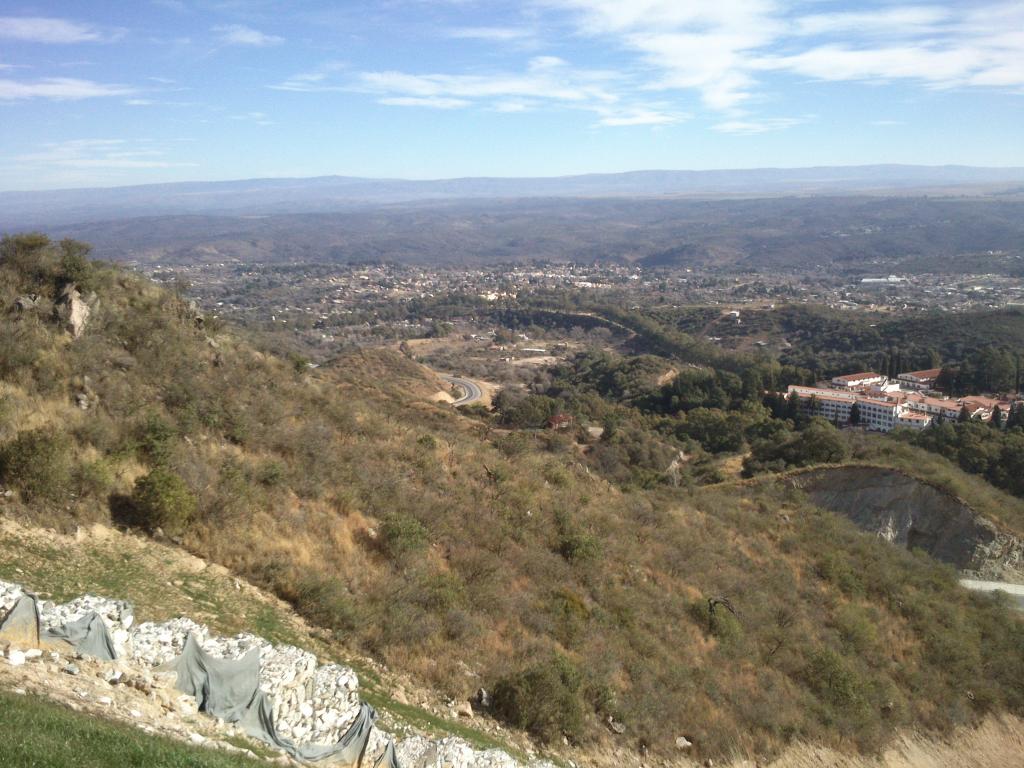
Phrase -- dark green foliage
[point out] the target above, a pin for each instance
(996, 455)
(74, 265)
(162, 500)
(401, 534)
(543, 699)
(156, 439)
(525, 411)
(38, 463)
(818, 443)
(325, 602)
(833, 679)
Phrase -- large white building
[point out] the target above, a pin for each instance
(875, 413)
(857, 380)
(919, 379)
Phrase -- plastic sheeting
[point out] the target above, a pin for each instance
(387, 759)
(229, 689)
(20, 626)
(88, 635)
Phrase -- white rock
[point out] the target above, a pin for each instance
(15, 657)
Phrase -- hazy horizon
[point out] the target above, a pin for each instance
(184, 90)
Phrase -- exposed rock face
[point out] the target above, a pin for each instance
(73, 311)
(25, 303)
(910, 513)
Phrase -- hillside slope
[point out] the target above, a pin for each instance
(467, 559)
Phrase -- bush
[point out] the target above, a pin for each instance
(829, 675)
(162, 500)
(38, 463)
(401, 534)
(543, 699)
(326, 602)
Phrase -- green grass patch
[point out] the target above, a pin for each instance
(39, 734)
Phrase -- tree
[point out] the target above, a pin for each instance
(855, 414)
(965, 415)
(162, 500)
(997, 418)
(74, 264)
(1014, 417)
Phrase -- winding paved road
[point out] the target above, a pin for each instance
(471, 391)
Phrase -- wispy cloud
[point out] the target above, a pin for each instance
(723, 50)
(260, 118)
(43, 29)
(59, 89)
(758, 125)
(239, 34)
(434, 102)
(313, 81)
(491, 33)
(115, 154)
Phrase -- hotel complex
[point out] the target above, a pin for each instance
(884, 404)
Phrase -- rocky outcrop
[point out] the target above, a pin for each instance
(72, 310)
(25, 303)
(910, 513)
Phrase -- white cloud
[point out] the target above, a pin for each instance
(114, 154)
(538, 82)
(641, 117)
(260, 118)
(59, 89)
(40, 29)
(493, 34)
(758, 125)
(897, 21)
(314, 81)
(722, 50)
(239, 34)
(433, 102)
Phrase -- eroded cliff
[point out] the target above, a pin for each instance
(914, 514)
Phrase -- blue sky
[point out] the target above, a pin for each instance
(108, 93)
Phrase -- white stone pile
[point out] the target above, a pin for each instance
(154, 644)
(312, 703)
(116, 614)
(9, 595)
(452, 752)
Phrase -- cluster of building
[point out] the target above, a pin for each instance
(876, 402)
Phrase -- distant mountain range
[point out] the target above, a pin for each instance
(325, 194)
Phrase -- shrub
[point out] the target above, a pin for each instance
(543, 699)
(96, 479)
(156, 439)
(831, 678)
(38, 463)
(326, 602)
(162, 500)
(401, 534)
(271, 474)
